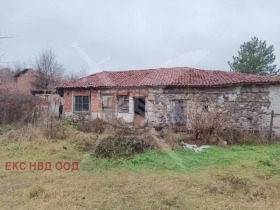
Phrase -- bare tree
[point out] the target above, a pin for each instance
(49, 71)
(8, 72)
(18, 66)
(6, 75)
(70, 76)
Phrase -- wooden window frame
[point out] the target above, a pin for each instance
(82, 104)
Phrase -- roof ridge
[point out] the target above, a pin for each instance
(168, 77)
(158, 69)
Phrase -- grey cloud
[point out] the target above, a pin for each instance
(137, 34)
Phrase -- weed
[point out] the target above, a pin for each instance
(54, 129)
(15, 149)
(267, 163)
(35, 191)
(70, 123)
(94, 126)
(172, 138)
(6, 128)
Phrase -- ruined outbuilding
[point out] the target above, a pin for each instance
(22, 84)
(169, 96)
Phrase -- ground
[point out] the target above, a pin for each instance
(237, 177)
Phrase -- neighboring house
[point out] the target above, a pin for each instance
(24, 80)
(23, 84)
(170, 96)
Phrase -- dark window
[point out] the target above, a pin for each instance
(206, 108)
(81, 103)
(123, 104)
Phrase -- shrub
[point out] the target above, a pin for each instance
(53, 129)
(237, 136)
(116, 145)
(16, 107)
(206, 125)
(172, 138)
(95, 126)
(209, 127)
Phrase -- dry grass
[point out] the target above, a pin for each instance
(172, 138)
(138, 190)
(245, 177)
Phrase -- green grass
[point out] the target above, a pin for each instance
(6, 128)
(181, 160)
(237, 177)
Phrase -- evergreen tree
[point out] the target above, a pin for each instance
(255, 57)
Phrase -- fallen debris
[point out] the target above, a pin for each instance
(194, 147)
(188, 146)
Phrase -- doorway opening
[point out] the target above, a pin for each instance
(107, 107)
(139, 111)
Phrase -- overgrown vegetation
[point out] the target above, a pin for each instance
(5, 128)
(113, 146)
(121, 167)
(206, 126)
(95, 126)
(237, 177)
(210, 128)
(16, 107)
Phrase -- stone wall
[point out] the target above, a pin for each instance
(246, 107)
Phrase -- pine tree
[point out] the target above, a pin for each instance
(255, 57)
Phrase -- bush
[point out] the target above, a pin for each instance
(172, 138)
(53, 129)
(116, 145)
(237, 136)
(95, 126)
(206, 125)
(210, 128)
(16, 107)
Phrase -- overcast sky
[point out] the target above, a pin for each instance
(139, 34)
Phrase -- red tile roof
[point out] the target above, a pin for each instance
(180, 76)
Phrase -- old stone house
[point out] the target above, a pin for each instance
(171, 96)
